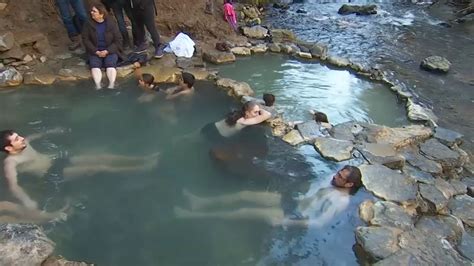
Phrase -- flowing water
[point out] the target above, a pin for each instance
(301, 86)
(397, 39)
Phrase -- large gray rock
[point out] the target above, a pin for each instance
(309, 130)
(217, 57)
(378, 242)
(366, 211)
(448, 158)
(14, 53)
(418, 112)
(389, 184)
(32, 78)
(274, 47)
(7, 40)
(346, 130)
(338, 61)
(334, 149)
(397, 137)
(390, 214)
(383, 154)
(459, 187)
(10, 77)
(442, 226)
(235, 88)
(360, 10)
(23, 245)
(448, 137)
(437, 202)
(436, 63)
(462, 206)
(418, 175)
(419, 161)
(259, 49)
(255, 32)
(420, 248)
(242, 51)
(466, 246)
(293, 137)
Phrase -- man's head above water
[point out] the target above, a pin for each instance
(12, 142)
(348, 177)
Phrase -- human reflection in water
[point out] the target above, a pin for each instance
(14, 213)
(265, 206)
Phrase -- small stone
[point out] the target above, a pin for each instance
(14, 53)
(338, 61)
(436, 64)
(378, 242)
(319, 51)
(217, 57)
(388, 184)
(366, 211)
(27, 58)
(360, 10)
(283, 35)
(235, 88)
(43, 59)
(436, 200)
(469, 182)
(389, 214)
(7, 40)
(63, 56)
(459, 187)
(274, 47)
(43, 47)
(10, 77)
(256, 32)
(3, 6)
(293, 137)
(448, 137)
(260, 48)
(462, 206)
(242, 51)
(334, 149)
(305, 55)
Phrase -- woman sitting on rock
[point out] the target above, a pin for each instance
(102, 40)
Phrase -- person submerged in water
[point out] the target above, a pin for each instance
(23, 158)
(318, 209)
(249, 115)
(184, 89)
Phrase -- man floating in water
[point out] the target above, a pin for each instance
(23, 158)
(317, 209)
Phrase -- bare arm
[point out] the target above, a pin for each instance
(36, 136)
(264, 115)
(12, 180)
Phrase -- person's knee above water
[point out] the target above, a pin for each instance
(250, 114)
(185, 87)
(102, 41)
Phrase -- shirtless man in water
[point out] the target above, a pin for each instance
(23, 158)
(317, 209)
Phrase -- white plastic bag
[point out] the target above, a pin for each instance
(182, 46)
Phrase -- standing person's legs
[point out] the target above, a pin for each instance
(149, 19)
(128, 11)
(118, 12)
(66, 16)
(95, 63)
(138, 17)
(110, 63)
(80, 10)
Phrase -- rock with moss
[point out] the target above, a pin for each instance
(436, 64)
(255, 32)
(217, 57)
(360, 10)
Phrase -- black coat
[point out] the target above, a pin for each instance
(113, 38)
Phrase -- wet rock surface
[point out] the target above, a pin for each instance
(255, 32)
(360, 10)
(442, 226)
(293, 137)
(10, 77)
(23, 245)
(235, 88)
(60, 261)
(419, 161)
(463, 207)
(334, 149)
(378, 242)
(448, 137)
(388, 184)
(390, 214)
(383, 154)
(217, 57)
(436, 64)
(435, 198)
(242, 51)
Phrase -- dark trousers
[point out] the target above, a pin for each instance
(67, 17)
(145, 18)
(118, 7)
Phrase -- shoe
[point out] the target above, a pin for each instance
(159, 52)
(75, 43)
(140, 48)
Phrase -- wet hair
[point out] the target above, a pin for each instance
(100, 7)
(321, 117)
(5, 136)
(233, 116)
(148, 78)
(354, 177)
(188, 79)
(269, 99)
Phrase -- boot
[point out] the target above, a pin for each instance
(75, 43)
